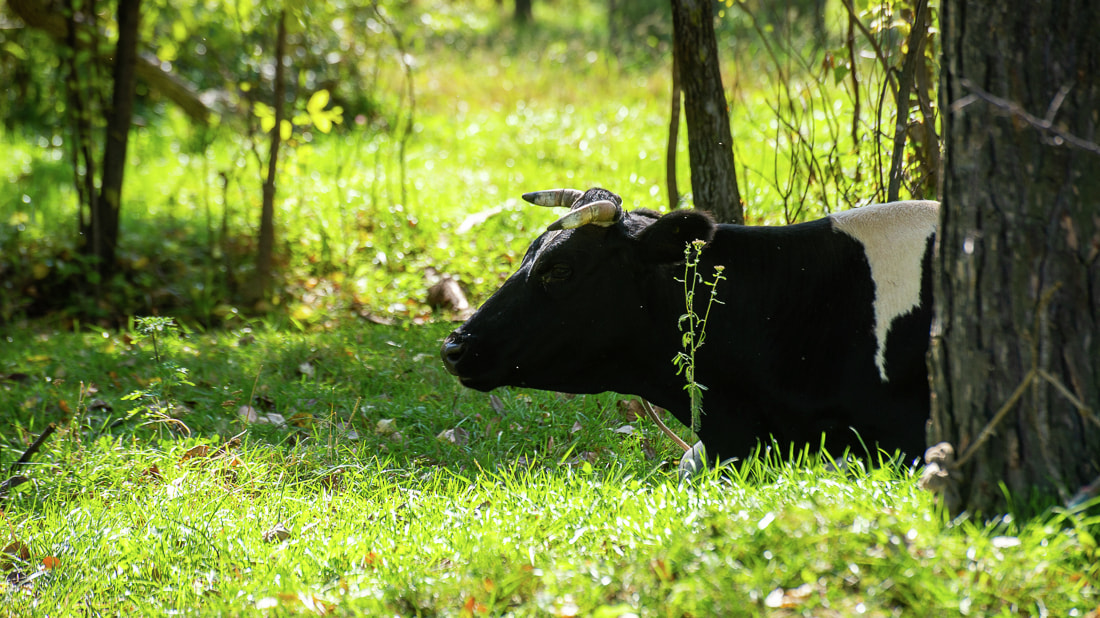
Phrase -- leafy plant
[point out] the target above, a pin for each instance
(156, 400)
(693, 326)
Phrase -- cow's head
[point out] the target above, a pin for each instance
(583, 301)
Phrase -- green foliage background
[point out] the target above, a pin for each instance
(449, 111)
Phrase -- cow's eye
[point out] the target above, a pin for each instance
(556, 273)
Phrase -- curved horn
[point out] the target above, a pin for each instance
(553, 197)
(602, 213)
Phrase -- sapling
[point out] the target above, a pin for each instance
(157, 397)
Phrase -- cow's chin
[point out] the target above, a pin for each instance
(479, 385)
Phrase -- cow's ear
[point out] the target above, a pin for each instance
(666, 238)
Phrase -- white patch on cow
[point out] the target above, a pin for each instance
(894, 237)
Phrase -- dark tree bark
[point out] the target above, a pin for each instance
(710, 145)
(261, 282)
(673, 138)
(101, 232)
(523, 11)
(1016, 342)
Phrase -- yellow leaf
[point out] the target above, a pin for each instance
(317, 102)
(284, 129)
(40, 270)
(301, 419)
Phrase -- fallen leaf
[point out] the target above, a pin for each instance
(301, 419)
(624, 429)
(576, 427)
(201, 450)
(458, 436)
(447, 294)
(631, 409)
(13, 552)
(385, 427)
(50, 562)
(306, 369)
(278, 533)
(788, 599)
(174, 489)
(497, 404)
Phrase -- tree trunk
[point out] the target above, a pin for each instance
(673, 138)
(101, 236)
(1016, 342)
(523, 11)
(710, 145)
(261, 282)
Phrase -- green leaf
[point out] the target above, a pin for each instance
(14, 49)
(840, 71)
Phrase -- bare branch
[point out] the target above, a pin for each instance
(1016, 111)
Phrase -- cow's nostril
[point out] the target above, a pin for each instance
(451, 353)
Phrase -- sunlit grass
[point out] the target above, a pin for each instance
(538, 507)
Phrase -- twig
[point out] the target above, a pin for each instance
(905, 85)
(987, 431)
(1086, 493)
(33, 448)
(648, 409)
(16, 480)
(1015, 110)
(1085, 411)
(870, 39)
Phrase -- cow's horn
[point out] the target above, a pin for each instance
(602, 213)
(553, 197)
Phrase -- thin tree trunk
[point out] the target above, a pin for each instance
(103, 239)
(673, 138)
(913, 54)
(1016, 343)
(266, 247)
(523, 11)
(710, 144)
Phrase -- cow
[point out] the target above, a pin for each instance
(822, 327)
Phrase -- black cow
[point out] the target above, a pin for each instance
(823, 326)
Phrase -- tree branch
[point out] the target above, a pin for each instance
(1013, 109)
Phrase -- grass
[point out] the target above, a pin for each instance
(538, 507)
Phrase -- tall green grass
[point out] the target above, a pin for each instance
(533, 504)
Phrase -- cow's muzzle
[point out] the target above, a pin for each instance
(454, 346)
